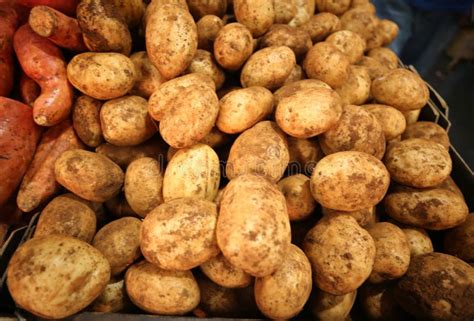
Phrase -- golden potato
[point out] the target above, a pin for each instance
(192, 172)
(283, 294)
(357, 130)
(327, 63)
(203, 62)
(375, 68)
(86, 120)
(299, 200)
(349, 181)
(260, 150)
(356, 90)
(217, 301)
(418, 162)
(304, 11)
(360, 21)
(253, 229)
(390, 31)
(349, 43)
(200, 8)
(148, 78)
(418, 240)
(321, 25)
(268, 67)
(178, 290)
(125, 121)
(378, 303)
(221, 272)
(336, 7)
(296, 39)
(296, 74)
(180, 234)
(304, 154)
(89, 175)
(328, 307)
(290, 89)
(207, 29)
(460, 240)
(341, 254)
(102, 75)
(256, 15)
(68, 217)
(365, 217)
(285, 10)
(113, 299)
(392, 120)
(143, 185)
(233, 45)
(48, 289)
(402, 89)
(429, 131)
(242, 108)
(385, 56)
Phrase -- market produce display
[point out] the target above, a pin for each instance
(218, 158)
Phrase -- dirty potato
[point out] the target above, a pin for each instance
(203, 62)
(460, 240)
(349, 43)
(290, 89)
(328, 307)
(223, 273)
(429, 131)
(113, 299)
(418, 240)
(256, 15)
(375, 68)
(86, 120)
(321, 25)
(336, 7)
(385, 56)
(207, 29)
(217, 301)
(299, 200)
(304, 153)
(285, 10)
(365, 217)
(356, 90)
(233, 46)
(392, 120)
(201, 8)
(296, 39)
(148, 78)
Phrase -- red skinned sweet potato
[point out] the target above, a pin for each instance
(8, 24)
(18, 138)
(65, 6)
(29, 90)
(43, 62)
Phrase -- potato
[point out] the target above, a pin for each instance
(349, 43)
(192, 172)
(327, 63)
(217, 301)
(253, 229)
(221, 272)
(125, 121)
(191, 117)
(365, 217)
(268, 67)
(341, 254)
(285, 10)
(113, 299)
(460, 240)
(437, 286)
(336, 7)
(450, 185)
(131, 11)
(375, 68)
(432, 209)
(97, 207)
(256, 15)
(356, 90)
(321, 25)
(283, 294)
(304, 11)
(143, 185)
(378, 303)
(299, 200)
(385, 56)
(359, 21)
(390, 31)
(418, 240)
(349, 181)
(401, 89)
(392, 120)
(200, 8)
(207, 29)
(392, 255)
(89, 175)
(418, 162)
(233, 45)
(86, 120)
(50, 290)
(203, 62)
(243, 108)
(308, 112)
(171, 39)
(357, 130)
(215, 138)
(68, 217)
(376, 37)
(180, 234)
(119, 207)
(296, 74)
(429, 131)
(102, 75)
(260, 150)
(119, 242)
(148, 78)
(178, 290)
(304, 154)
(296, 39)
(328, 307)
(411, 116)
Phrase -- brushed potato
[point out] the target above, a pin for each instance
(220, 271)
(86, 120)
(200, 8)
(283, 294)
(349, 43)
(256, 15)
(89, 175)
(233, 46)
(365, 217)
(69, 217)
(269, 67)
(341, 254)
(192, 172)
(299, 200)
(418, 240)
(242, 108)
(429, 131)
(285, 10)
(357, 130)
(392, 120)
(253, 229)
(296, 39)
(125, 121)
(384, 55)
(113, 299)
(329, 307)
(217, 301)
(326, 62)
(102, 75)
(356, 90)
(375, 68)
(180, 234)
(290, 89)
(50, 290)
(207, 29)
(460, 240)
(321, 25)
(203, 62)
(178, 290)
(304, 153)
(349, 181)
(336, 7)
(148, 77)
(143, 185)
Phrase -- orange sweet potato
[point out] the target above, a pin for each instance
(29, 90)
(8, 24)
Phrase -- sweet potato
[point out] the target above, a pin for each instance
(18, 138)
(43, 62)
(29, 90)
(65, 6)
(8, 24)
(39, 183)
(57, 27)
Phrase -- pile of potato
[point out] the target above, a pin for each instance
(241, 158)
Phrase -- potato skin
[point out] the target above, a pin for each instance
(41, 286)
(101, 75)
(336, 7)
(364, 217)
(89, 175)
(328, 307)
(207, 29)
(349, 43)
(291, 89)
(304, 11)
(112, 299)
(220, 271)
(392, 120)
(283, 294)
(233, 45)
(429, 131)
(306, 153)
(349, 181)
(178, 290)
(256, 15)
(359, 21)
(188, 222)
(86, 120)
(375, 68)
(418, 240)
(356, 90)
(296, 39)
(200, 8)
(299, 200)
(285, 10)
(425, 163)
(389, 31)
(148, 78)
(321, 25)
(460, 240)
(143, 185)
(253, 232)
(68, 217)
(341, 254)
(385, 56)
(203, 62)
